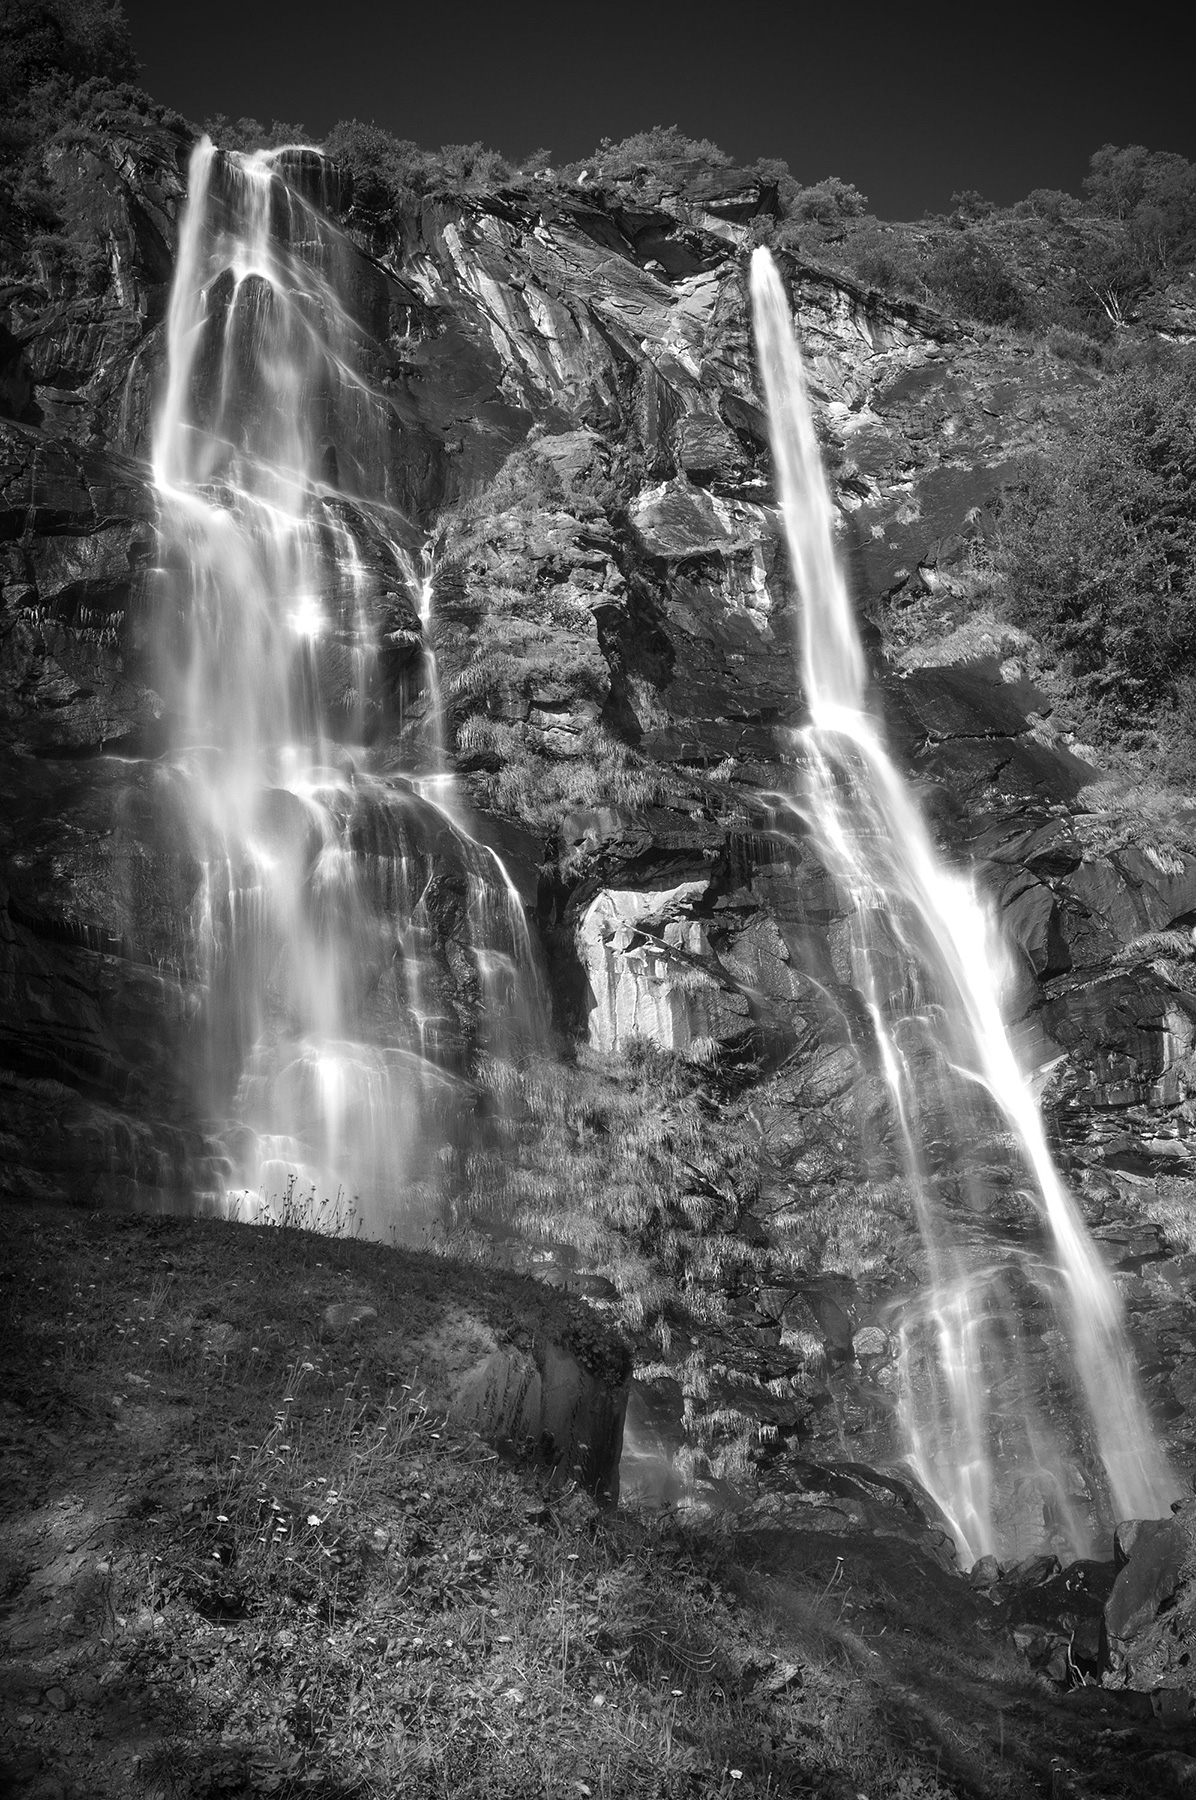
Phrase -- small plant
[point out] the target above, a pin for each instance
(1098, 547)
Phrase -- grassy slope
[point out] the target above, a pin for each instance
(241, 1558)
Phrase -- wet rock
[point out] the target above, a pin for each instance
(962, 703)
(1150, 1617)
(985, 1572)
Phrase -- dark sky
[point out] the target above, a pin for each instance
(909, 102)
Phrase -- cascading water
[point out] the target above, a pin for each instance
(1009, 1470)
(332, 900)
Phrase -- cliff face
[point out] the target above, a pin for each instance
(573, 420)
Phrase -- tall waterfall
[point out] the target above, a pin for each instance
(1004, 1463)
(341, 913)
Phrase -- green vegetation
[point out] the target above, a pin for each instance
(1098, 548)
(67, 85)
(1082, 268)
(513, 777)
(663, 1177)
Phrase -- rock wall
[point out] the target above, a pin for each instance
(572, 421)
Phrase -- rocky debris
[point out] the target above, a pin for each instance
(1054, 1615)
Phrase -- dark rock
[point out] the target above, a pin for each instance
(962, 703)
(1150, 1617)
(1031, 1571)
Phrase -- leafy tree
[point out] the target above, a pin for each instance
(251, 134)
(1051, 204)
(1098, 542)
(655, 152)
(775, 171)
(830, 202)
(66, 80)
(392, 175)
(1145, 200)
(458, 166)
(969, 205)
(56, 44)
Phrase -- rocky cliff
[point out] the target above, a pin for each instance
(574, 428)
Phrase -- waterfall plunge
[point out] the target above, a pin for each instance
(930, 968)
(332, 899)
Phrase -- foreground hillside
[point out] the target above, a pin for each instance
(243, 1557)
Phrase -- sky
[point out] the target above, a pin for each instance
(912, 103)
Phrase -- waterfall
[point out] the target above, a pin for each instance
(354, 943)
(1012, 1463)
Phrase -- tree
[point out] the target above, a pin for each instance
(59, 43)
(656, 151)
(1152, 194)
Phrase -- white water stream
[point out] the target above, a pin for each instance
(1010, 1465)
(333, 897)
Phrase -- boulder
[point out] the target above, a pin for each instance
(560, 1400)
(1150, 1615)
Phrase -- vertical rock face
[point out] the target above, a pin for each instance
(1150, 1616)
(573, 423)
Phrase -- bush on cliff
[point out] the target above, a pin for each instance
(49, 46)
(1098, 545)
(392, 175)
(653, 153)
(67, 81)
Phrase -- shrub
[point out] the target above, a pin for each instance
(1051, 204)
(883, 256)
(1098, 542)
(821, 213)
(1073, 346)
(830, 202)
(969, 205)
(971, 277)
(391, 175)
(251, 134)
(655, 152)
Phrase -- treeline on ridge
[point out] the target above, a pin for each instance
(1096, 548)
(1082, 269)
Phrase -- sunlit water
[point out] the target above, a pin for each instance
(341, 915)
(1014, 1461)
